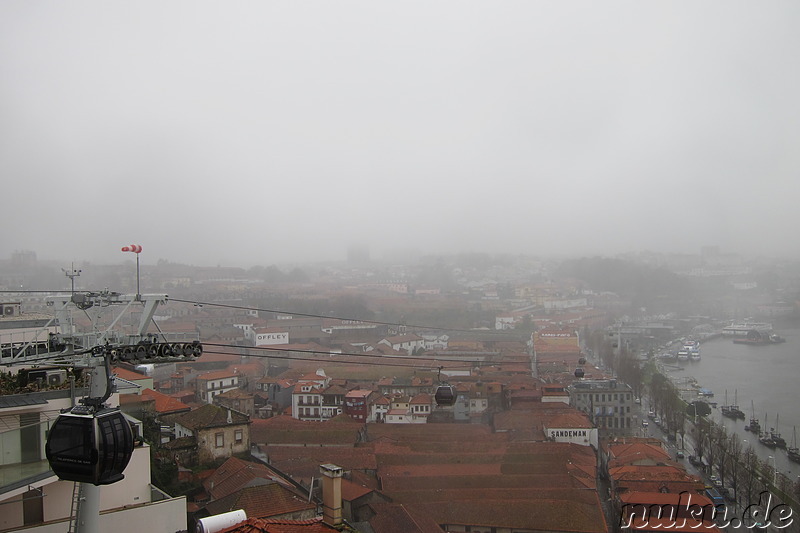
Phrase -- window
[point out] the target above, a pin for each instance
(238, 436)
(219, 440)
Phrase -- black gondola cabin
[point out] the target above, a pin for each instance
(90, 446)
(445, 395)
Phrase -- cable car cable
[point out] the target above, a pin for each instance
(345, 362)
(321, 352)
(310, 315)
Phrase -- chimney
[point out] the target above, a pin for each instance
(331, 494)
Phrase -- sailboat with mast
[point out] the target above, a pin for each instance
(793, 451)
(779, 441)
(765, 438)
(754, 425)
(732, 411)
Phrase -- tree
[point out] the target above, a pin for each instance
(698, 408)
(734, 458)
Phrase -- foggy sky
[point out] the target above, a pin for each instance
(241, 133)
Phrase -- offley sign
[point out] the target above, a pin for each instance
(268, 339)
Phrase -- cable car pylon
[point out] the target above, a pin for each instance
(92, 443)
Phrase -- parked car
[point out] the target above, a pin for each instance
(679, 455)
(645, 423)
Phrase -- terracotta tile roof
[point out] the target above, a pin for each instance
(423, 398)
(306, 465)
(234, 474)
(663, 498)
(352, 491)
(569, 420)
(394, 518)
(165, 404)
(266, 525)
(428, 433)
(262, 501)
(526, 514)
(626, 454)
(236, 394)
(209, 416)
(359, 393)
(335, 389)
(217, 374)
(287, 430)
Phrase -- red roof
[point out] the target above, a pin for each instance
(266, 525)
(165, 404)
(218, 374)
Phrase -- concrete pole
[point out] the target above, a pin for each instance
(89, 509)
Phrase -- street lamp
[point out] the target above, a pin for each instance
(774, 472)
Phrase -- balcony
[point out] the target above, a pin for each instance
(22, 458)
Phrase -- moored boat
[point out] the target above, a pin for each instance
(792, 451)
(754, 425)
(765, 438)
(779, 441)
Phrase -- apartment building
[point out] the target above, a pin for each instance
(608, 402)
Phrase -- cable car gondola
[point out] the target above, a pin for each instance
(445, 395)
(90, 445)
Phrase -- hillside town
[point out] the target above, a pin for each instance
(316, 402)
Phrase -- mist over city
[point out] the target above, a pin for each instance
(264, 133)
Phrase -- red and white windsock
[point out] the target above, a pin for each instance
(135, 248)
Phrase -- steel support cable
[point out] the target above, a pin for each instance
(349, 354)
(309, 315)
(404, 364)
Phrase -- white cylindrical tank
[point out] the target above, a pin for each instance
(218, 522)
(147, 369)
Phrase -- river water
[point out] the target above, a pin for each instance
(768, 376)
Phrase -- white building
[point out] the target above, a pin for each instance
(435, 342)
(573, 428)
(210, 384)
(409, 343)
(404, 410)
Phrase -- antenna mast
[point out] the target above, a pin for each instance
(72, 274)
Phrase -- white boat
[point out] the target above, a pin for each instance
(693, 349)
